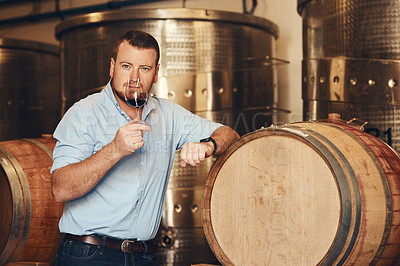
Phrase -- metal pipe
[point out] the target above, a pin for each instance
(73, 11)
(10, 2)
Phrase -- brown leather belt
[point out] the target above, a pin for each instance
(127, 246)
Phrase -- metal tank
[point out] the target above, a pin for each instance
(219, 65)
(30, 88)
(351, 63)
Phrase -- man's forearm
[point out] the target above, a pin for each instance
(75, 180)
(224, 136)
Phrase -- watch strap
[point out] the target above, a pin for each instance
(212, 140)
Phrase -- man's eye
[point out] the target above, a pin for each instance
(146, 68)
(125, 66)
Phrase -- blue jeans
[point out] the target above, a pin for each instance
(76, 253)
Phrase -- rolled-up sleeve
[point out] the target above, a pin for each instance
(74, 137)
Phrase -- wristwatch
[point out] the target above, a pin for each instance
(213, 141)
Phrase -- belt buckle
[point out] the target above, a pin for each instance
(125, 246)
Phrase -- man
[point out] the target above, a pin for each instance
(112, 171)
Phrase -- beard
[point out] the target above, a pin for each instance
(120, 94)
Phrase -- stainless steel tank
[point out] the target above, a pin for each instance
(30, 88)
(351, 61)
(220, 65)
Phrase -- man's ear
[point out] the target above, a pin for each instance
(112, 66)
(156, 74)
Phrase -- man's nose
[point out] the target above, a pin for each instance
(134, 75)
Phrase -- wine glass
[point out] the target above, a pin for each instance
(136, 95)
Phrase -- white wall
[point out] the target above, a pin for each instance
(281, 12)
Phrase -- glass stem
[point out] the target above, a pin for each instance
(138, 113)
(138, 117)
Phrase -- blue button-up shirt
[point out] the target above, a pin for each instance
(128, 201)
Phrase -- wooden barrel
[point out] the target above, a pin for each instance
(28, 213)
(310, 193)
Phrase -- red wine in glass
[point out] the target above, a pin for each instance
(136, 96)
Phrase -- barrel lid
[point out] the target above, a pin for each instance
(301, 4)
(167, 13)
(29, 45)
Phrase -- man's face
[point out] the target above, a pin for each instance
(133, 63)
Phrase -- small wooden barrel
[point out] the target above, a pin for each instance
(28, 213)
(311, 193)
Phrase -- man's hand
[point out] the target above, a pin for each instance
(194, 153)
(129, 138)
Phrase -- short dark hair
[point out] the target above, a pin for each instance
(139, 39)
